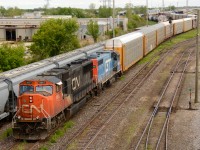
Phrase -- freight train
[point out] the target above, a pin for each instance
(45, 101)
(9, 80)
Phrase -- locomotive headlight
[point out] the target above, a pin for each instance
(30, 99)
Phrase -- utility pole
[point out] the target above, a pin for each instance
(163, 6)
(187, 8)
(47, 4)
(147, 13)
(113, 18)
(197, 59)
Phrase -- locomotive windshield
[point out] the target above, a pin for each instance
(44, 88)
(26, 88)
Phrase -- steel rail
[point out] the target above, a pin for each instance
(157, 105)
(115, 96)
(172, 102)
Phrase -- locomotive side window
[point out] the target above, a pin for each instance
(44, 88)
(58, 88)
(25, 88)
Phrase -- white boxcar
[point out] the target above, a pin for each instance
(168, 29)
(187, 24)
(129, 46)
(177, 26)
(160, 32)
(149, 39)
(194, 23)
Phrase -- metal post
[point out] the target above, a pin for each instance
(190, 101)
(113, 18)
(163, 6)
(187, 7)
(197, 59)
(147, 13)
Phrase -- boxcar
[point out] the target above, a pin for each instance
(177, 26)
(160, 33)
(187, 24)
(129, 46)
(168, 29)
(194, 23)
(149, 39)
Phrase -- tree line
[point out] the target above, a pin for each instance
(57, 36)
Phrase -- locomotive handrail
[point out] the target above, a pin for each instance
(14, 117)
(48, 118)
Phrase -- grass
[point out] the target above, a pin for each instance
(72, 146)
(151, 22)
(21, 146)
(168, 44)
(60, 132)
(6, 133)
(57, 135)
(122, 77)
(43, 148)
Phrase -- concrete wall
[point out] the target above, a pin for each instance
(2, 35)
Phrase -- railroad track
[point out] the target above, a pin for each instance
(11, 144)
(135, 83)
(105, 115)
(152, 136)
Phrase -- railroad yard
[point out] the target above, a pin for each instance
(118, 118)
(135, 88)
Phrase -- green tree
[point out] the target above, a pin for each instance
(11, 57)
(75, 12)
(105, 12)
(118, 31)
(93, 30)
(171, 8)
(13, 11)
(54, 37)
(129, 10)
(135, 21)
(2, 11)
(140, 10)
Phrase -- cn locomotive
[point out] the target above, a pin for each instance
(53, 96)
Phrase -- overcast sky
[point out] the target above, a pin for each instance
(85, 3)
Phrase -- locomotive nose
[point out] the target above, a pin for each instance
(30, 107)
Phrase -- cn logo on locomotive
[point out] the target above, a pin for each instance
(27, 109)
(75, 82)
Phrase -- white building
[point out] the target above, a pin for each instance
(17, 29)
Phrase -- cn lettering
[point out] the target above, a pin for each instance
(75, 82)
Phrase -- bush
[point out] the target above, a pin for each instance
(11, 57)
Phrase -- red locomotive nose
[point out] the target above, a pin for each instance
(30, 107)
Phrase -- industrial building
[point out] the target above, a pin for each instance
(23, 28)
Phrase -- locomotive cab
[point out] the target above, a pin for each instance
(40, 100)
